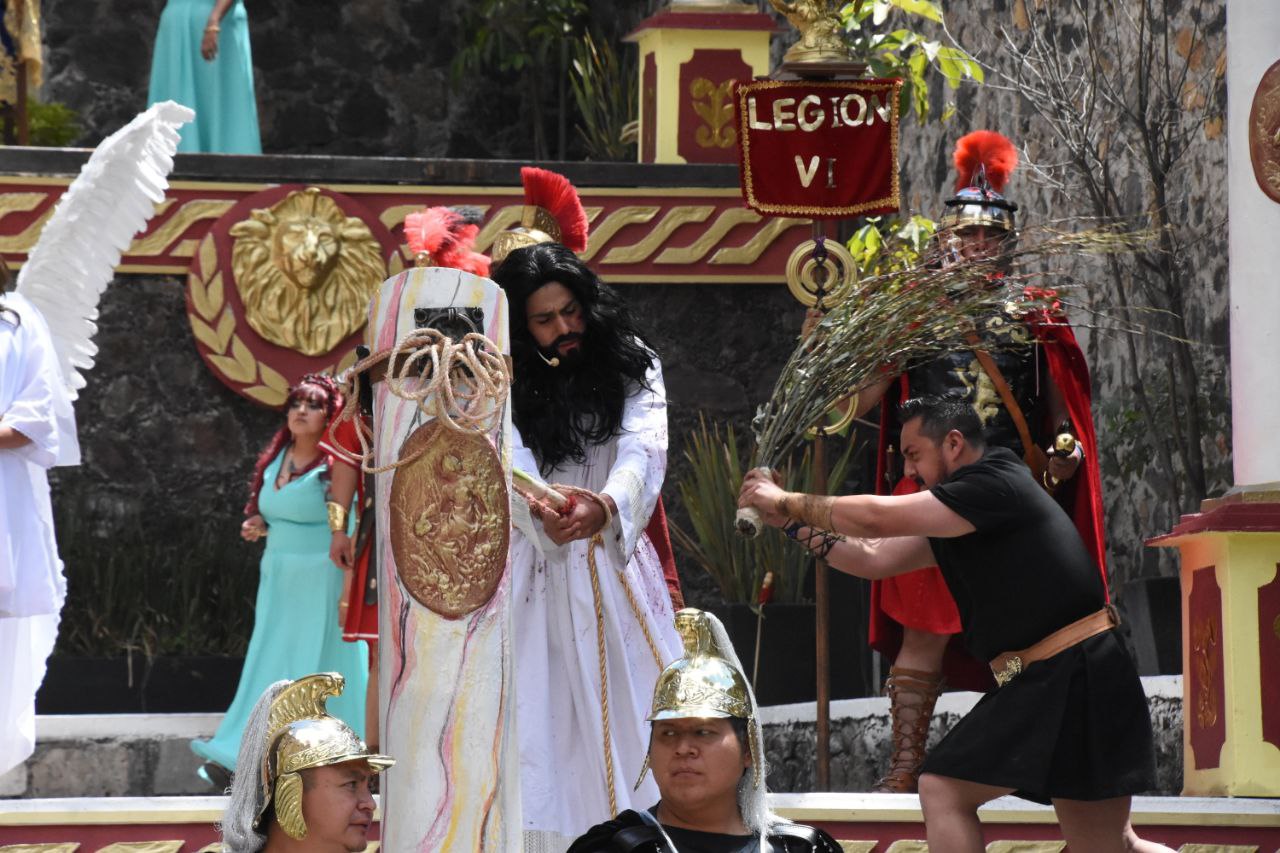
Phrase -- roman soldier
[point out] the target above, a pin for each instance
(1026, 378)
(706, 751)
(306, 775)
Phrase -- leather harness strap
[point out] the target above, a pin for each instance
(1035, 458)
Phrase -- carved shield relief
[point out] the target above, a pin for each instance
(1264, 133)
(450, 520)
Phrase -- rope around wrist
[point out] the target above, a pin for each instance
(819, 542)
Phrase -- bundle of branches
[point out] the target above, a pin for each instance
(904, 317)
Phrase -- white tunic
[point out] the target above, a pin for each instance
(558, 686)
(34, 401)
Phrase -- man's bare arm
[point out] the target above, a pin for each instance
(872, 559)
(872, 516)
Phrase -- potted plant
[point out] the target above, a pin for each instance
(775, 640)
(156, 620)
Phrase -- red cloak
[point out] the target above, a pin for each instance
(920, 599)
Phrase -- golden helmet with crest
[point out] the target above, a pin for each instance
(289, 731)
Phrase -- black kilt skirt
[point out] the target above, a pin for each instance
(1074, 726)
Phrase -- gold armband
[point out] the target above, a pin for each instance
(813, 510)
(337, 516)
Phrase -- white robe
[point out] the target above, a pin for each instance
(562, 744)
(34, 401)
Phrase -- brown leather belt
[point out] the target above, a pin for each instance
(1007, 666)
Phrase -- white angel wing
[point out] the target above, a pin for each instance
(95, 221)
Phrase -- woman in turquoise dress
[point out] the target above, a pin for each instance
(202, 60)
(296, 629)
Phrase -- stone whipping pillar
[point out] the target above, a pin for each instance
(1231, 548)
(443, 522)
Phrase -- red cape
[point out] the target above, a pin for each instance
(1067, 368)
(661, 539)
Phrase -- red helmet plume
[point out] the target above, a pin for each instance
(554, 194)
(985, 150)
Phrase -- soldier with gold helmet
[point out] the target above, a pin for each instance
(706, 754)
(304, 776)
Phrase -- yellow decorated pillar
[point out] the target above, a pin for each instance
(1231, 548)
(690, 54)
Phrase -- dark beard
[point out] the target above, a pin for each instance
(571, 359)
(561, 412)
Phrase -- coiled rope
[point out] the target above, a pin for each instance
(465, 386)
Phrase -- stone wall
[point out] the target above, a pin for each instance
(372, 78)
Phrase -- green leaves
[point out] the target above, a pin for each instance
(709, 492)
(52, 123)
(883, 245)
(906, 53)
(921, 8)
(957, 66)
(605, 91)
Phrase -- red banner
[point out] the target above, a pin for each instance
(822, 149)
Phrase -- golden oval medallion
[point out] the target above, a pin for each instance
(1264, 133)
(450, 520)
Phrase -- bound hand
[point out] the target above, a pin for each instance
(760, 490)
(583, 521)
(253, 528)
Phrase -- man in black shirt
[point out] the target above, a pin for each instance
(705, 751)
(1069, 723)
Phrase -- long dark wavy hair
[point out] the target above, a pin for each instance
(561, 411)
(319, 387)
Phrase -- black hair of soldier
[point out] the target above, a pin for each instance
(942, 413)
(560, 412)
(6, 281)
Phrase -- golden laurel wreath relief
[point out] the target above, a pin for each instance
(213, 323)
(450, 520)
(305, 271)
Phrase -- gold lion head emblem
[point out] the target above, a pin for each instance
(305, 271)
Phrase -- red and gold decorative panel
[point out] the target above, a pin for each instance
(1269, 657)
(675, 235)
(1205, 715)
(708, 132)
(1035, 832)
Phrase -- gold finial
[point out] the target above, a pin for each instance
(821, 36)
